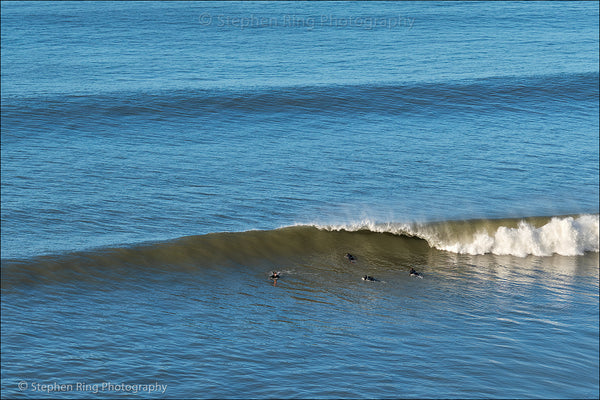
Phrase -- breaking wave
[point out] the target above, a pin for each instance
(538, 236)
(388, 245)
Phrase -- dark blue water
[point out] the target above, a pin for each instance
(136, 135)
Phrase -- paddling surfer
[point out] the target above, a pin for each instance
(274, 276)
(413, 272)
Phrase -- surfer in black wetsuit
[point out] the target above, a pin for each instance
(274, 276)
(350, 257)
(414, 273)
(369, 278)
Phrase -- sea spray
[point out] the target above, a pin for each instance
(539, 236)
(567, 236)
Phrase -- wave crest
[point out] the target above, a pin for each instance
(538, 236)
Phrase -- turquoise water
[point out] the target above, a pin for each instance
(160, 159)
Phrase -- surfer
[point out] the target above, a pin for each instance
(369, 278)
(350, 257)
(413, 272)
(274, 276)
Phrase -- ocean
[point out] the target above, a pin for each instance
(159, 160)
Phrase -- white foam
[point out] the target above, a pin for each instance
(368, 225)
(566, 236)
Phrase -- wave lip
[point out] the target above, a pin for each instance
(564, 236)
(538, 236)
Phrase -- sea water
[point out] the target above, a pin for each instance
(160, 159)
